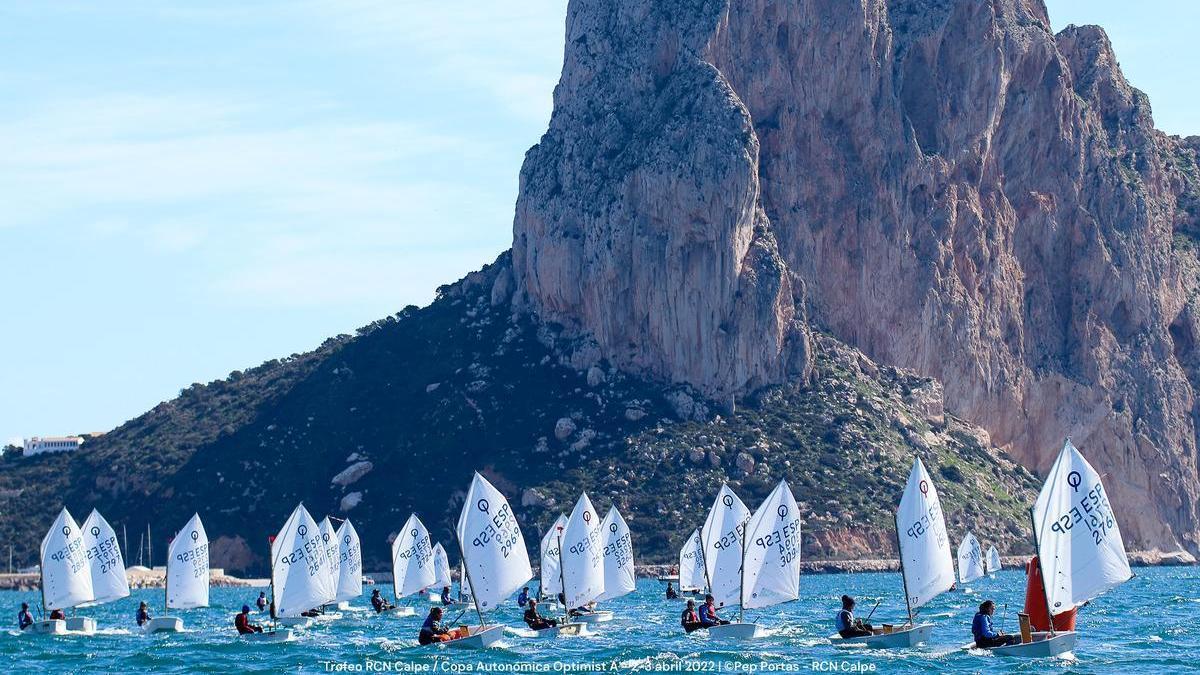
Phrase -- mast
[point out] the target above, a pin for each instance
(903, 579)
(562, 576)
(704, 559)
(467, 573)
(149, 548)
(167, 581)
(742, 577)
(1037, 552)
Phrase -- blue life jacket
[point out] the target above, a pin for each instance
(981, 626)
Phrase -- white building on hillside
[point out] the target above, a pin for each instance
(37, 445)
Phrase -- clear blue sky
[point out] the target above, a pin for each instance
(189, 190)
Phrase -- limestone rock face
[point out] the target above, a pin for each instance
(639, 218)
(945, 184)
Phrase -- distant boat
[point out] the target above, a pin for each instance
(66, 576)
(334, 570)
(187, 576)
(1079, 548)
(412, 564)
(993, 560)
(970, 559)
(926, 565)
(549, 579)
(495, 562)
(300, 579)
(619, 576)
(441, 572)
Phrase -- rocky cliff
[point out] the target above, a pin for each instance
(945, 184)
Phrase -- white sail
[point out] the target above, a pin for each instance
(441, 568)
(1079, 542)
(412, 558)
(619, 578)
(496, 561)
(300, 566)
(464, 584)
(350, 581)
(332, 552)
(104, 556)
(970, 559)
(993, 560)
(771, 565)
(691, 564)
(582, 555)
(187, 567)
(551, 579)
(925, 556)
(66, 575)
(722, 539)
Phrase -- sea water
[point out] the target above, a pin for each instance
(1146, 625)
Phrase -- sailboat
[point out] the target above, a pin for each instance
(580, 567)
(350, 583)
(926, 566)
(970, 559)
(333, 570)
(619, 577)
(495, 562)
(550, 579)
(1080, 551)
(300, 579)
(993, 561)
(187, 576)
(66, 577)
(722, 538)
(412, 564)
(441, 572)
(691, 565)
(770, 562)
(107, 568)
(464, 586)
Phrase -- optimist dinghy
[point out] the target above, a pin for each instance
(722, 537)
(970, 560)
(300, 578)
(926, 566)
(993, 561)
(350, 581)
(580, 568)
(187, 577)
(412, 564)
(1079, 549)
(66, 575)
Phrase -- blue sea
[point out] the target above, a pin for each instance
(1147, 625)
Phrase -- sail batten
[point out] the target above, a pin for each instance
(1079, 543)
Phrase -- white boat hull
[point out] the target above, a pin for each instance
(480, 638)
(735, 631)
(905, 637)
(277, 635)
(163, 624)
(327, 616)
(1043, 646)
(294, 621)
(599, 616)
(81, 624)
(566, 629)
(48, 627)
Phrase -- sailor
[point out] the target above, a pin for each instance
(708, 613)
(143, 614)
(446, 599)
(537, 621)
(690, 620)
(24, 617)
(985, 635)
(523, 598)
(261, 603)
(431, 630)
(847, 625)
(671, 594)
(242, 622)
(57, 614)
(379, 603)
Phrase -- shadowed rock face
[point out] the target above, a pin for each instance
(955, 188)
